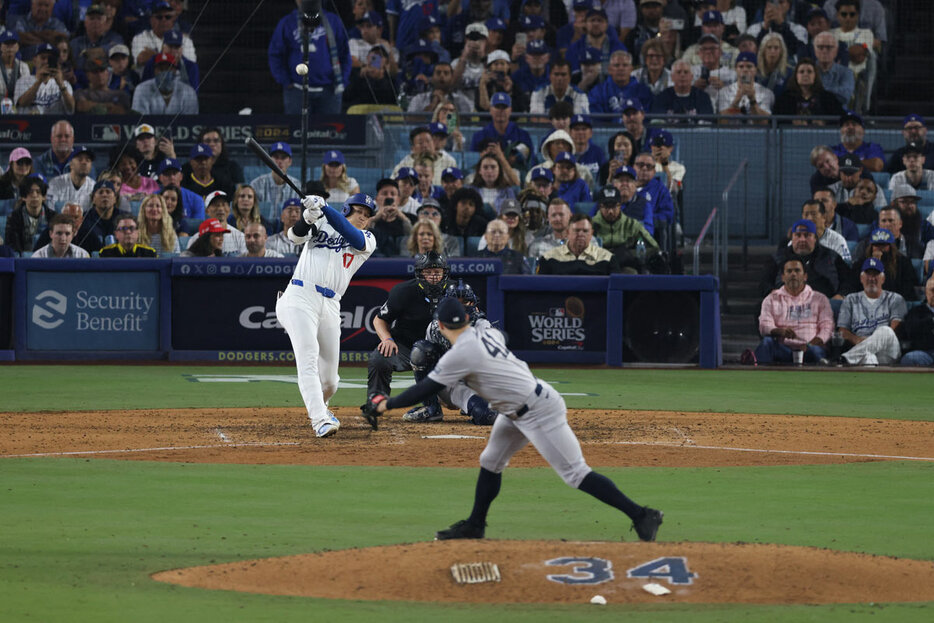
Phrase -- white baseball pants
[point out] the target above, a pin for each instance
(313, 323)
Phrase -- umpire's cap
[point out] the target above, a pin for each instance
(451, 312)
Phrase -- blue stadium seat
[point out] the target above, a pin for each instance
(470, 161)
(851, 245)
(863, 229)
(268, 210)
(2, 225)
(927, 196)
(6, 206)
(926, 209)
(888, 195)
(585, 207)
(252, 171)
(918, 265)
(881, 178)
(367, 178)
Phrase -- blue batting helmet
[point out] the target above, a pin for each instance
(359, 199)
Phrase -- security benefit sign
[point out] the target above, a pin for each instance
(92, 311)
(556, 321)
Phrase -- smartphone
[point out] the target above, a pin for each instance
(705, 73)
(53, 61)
(620, 156)
(388, 201)
(677, 24)
(376, 61)
(746, 80)
(522, 38)
(452, 121)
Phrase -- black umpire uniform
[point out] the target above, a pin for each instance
(408, 311)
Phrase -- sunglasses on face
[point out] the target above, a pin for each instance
(128, 228)
(848, 13)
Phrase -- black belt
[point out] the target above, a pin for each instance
(525, 408)
(327, 293)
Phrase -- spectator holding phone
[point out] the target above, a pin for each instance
(390, 226)
(372, 82)
(496, 79)
(47, 92)
(745, 96)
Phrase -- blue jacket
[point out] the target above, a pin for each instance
(576, 50)
(192, 205)
(524, 79)
(591, 159)
(285, 52)
(608, 97)
(409, 14)
(574, 192)
(659, 202)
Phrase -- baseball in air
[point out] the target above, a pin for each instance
(301, 69)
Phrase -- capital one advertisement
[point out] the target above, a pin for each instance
(240, 313)
(96, 311)
(556, 321)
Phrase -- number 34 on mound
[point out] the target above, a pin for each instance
(587, 570)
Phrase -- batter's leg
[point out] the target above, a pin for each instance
(329, 338)
(300, 317)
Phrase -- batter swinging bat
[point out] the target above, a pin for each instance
(269, 162)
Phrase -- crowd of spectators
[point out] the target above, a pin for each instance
(61, 57)
(674, 56)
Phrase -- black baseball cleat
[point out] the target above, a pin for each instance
(647, 527)
(463, 529)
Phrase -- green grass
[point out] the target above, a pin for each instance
(81, 537)
(855, 394)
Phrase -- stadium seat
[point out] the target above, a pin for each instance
(927, 196)
(470, 247)
(926, 209)
(851, 245)
(888, 195)
(585, 207)
(252, 171)
(918, 265)
(863, 229)
(6, 206)
(2, 225)
(881, 178)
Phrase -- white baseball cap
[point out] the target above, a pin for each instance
(497, 55)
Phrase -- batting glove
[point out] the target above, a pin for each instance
(369, 409)
(313, 205)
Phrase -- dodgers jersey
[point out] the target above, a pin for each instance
(863, 315)
(480, 358)
(328, 260)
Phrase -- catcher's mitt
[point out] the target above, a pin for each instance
(369, 410)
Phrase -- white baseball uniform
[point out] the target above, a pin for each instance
(309, 309)
(531, 410)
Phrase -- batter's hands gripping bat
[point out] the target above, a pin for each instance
(257, 149)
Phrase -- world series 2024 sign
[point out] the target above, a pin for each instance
(556, 321)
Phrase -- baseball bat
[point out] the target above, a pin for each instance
(269, 162)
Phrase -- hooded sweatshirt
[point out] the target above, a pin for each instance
(809, 314)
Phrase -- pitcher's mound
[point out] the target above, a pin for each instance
(573, 572)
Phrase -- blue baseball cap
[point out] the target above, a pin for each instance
(46, 48)
(495, 23)
(565, 156)
(537, 46)
(582, 5)
(581, 120)
(625, 171)
(280, 146)
(632, 104)
(82, 149)
(201, 151)
(427, 23)
(168, 163)
(293, 201)
(161, 5)
(406, 173)
(333, 156)
(372, 17)
(747, 57)
(501, 99)
(873, 263)
(542, 173)
(591, 56)
(595, 11)
(104, 184)
(8, 36)
(436, 127)
(712, 17)
(663, 137)
(806, 224)
(531, 22)
(881, 236)
(850, 115)
(913, 117)
(452, 172)
(172, 37)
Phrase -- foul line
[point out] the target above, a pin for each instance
(162, 449)
(765, 451)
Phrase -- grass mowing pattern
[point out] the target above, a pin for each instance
(82, 536)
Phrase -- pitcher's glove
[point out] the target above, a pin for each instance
(313, 205)
(370, 411)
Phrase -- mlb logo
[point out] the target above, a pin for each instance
(556, 312)
(105, 133)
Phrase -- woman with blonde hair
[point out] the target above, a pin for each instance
(425, 237)
(335, 179)
(246, 210)
(156, 228)
(773, 66)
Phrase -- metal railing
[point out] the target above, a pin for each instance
(711, 219)
(743, 169)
